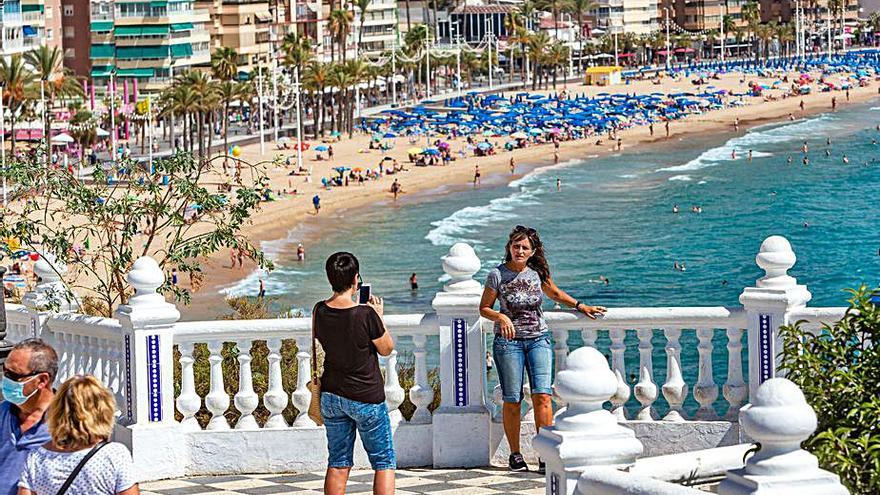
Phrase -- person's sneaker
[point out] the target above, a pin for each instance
(542, 469)
(516, 462)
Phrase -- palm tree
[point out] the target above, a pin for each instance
(359, 71)
(339, 25)
(415, 40)
(557, 57)
(751, 14)
(202, 85)
(81, 130)
(343, 82)
(224, 63)
(579, 8)
(553, 6)
(514, 23)
(537, 46)
(315, 80)
(297, 50)
(362, 6)
(55, 82)
(765, 33)
(785, 34)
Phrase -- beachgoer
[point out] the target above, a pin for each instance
(352, 388)
(845, 159)
(476, 175)
(81, 418)
(555, 156)
(651, 128)
(847, 95)
(512, 166)
(232, 257)
(174, 276)
(802, 105)
(675, 208)
(750, 156)
(490, 363)
(558, 184)
(833, 102)
(395, 189)
(667, 128)
(788, 160)
(805, 148)
(330, 152)
(619, 144)
(522, 342)
(316, 202)
(262, 292)
(791, 116)
(806, 161)
(28, 374)
(413, 282)
(300, 252)
(828, 141)
(736, 124)
(827, 152)
(733, 154)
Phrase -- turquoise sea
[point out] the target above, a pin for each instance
(613, 217)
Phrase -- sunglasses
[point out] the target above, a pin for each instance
(527, 230)
(16, 377)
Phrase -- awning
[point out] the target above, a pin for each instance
(158, 3)
(133, 52)
(102, 26)
(142, 72)
(101, 70)
(102, 51)
(153, 30)
(183, 26)
(29, 31)
(127, 31)
(263, 16)
(147, 30)
(182, 50)
(31, 7)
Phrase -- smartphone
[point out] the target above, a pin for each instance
(364, 294)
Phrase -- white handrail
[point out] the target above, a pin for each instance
(635, 318)
(91, 326)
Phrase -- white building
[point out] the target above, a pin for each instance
(628, 16)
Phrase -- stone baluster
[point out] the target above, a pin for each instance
(735, 388)
(302, 397)
(618, 348)
(705, 391)
(188, 402)
(93, 356)
(675, 390)
(217, 400)
(463, 405)
(768, 306)
(49, 293)
(590, 335)
(245, 400)
(584, 434)
(645, 390)
(106, 374)
(79, 351)
(779, 419)
(149, 429)
(394, 393)
(66, 367)
(421, 394)
(560, 348)
(275, 399)
(117, 377)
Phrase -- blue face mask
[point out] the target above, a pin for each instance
(14, 391)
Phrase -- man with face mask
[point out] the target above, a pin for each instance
(28, 375)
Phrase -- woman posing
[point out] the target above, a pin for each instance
(522, 341)
(352, 389)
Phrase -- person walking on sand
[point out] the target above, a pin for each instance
(512, 166)
(667, 128)
(330, 152)
(316, 202)
(834, 103)
(651, 128)
(352, 388)
(476, 175)
(555, 156)
(300, 252)
(262, 292)
(522, 344)
(802, 105)
(395, 189)
(413, 282)
(736, 124)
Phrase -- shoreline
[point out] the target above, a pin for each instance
(278, 225)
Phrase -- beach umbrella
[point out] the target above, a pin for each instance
(389, 135)
(414, 151)
(62, 139)
(535, 131)
(101, 132)
(484, 145)
(321, 147)
(335, 134)
(431, 151)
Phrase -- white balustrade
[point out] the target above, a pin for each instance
(645, 389)
(394, 393)
(705, 391)
(188, 402)
(674, 389)
(618, 348)
(421, 394)
(246, 400)
(217, 400)
(302, 396)
(275, 399)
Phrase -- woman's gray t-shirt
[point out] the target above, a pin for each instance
(520, 296)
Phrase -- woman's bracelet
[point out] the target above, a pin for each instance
(577, 304)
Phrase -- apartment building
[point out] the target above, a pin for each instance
(696, 15)
(27, 24)
(628, 16)
(246, 26)
(379, 30)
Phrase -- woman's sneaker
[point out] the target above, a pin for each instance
(516, 462)
(542, 468)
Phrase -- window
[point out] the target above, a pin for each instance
(68, 10)
(48, 11)
(68, 32)
(48, 34)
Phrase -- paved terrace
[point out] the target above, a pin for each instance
(409, 481)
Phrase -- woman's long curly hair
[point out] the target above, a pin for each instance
(538, 261)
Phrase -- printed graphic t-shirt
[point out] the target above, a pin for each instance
(520, 296)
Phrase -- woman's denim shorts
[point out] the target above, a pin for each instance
(342, 417)
(516, 357)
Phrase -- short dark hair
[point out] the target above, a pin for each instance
(43, 358)
(342, 268)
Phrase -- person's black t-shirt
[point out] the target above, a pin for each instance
(351, 364)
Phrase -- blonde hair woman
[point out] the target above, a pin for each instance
(80, 460)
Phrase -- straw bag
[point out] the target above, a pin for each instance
(315, 384)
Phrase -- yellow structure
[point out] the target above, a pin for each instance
(604, 75)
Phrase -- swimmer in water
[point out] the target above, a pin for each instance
(750, 156)
(805, 148)
(845, 158)
(788, 160)
(874, 142)
(675, 209)
(828, 141)
(733, 154)
(827, 152)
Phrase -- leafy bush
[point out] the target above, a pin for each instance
(838, 368)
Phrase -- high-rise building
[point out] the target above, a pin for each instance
(628, 16)
(246, 26)
(379, 29)
(11, 28)
(146, 40)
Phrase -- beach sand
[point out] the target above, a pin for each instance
(277, 219)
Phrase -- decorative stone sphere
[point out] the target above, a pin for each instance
(776, 257)
(461, 262)
(779, 414)
(587, 378)
(145, 276)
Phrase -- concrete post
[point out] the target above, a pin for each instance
(461, 423)
(584, 434)
(148, 426)
(5, 347)
(779, 418)
(768, 306)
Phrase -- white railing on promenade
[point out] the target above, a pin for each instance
(149, 359)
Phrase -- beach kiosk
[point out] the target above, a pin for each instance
(604, 75)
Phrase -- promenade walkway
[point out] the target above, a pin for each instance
(488, 481)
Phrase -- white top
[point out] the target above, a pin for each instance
(109, 471)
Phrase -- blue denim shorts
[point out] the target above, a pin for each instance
(342, 417)
(516, 357)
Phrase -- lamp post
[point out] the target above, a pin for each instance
(457, 27)
(260, 104)
(489, 48)
(5, 347)
(299, 129)
(171, 113)
(723, 15)
(666, 11)
(113, 115)
(3, 144)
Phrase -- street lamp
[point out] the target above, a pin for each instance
(3, 142)
(666, 15)
(456, 28)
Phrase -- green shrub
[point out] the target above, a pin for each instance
(838, 369)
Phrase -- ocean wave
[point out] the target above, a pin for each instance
(628, 176)
(530, 177)
(756, 137)
(683, 178)
(464, 225)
